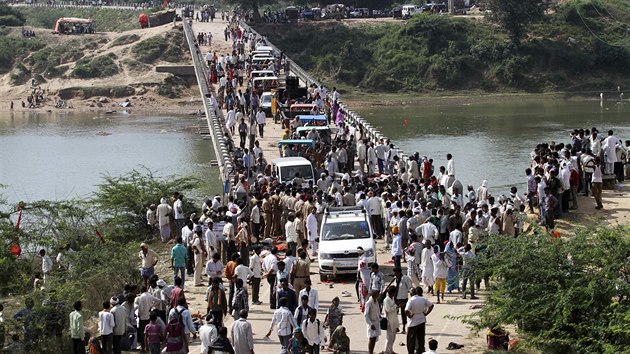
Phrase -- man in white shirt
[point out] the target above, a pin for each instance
(260, 120)
(242, 335)
(255, 266)
(313, 297)
(144, 302)
(283, 319)
(106, 328)
(375, 210)
(207, 334)
(314, 332)
(47, 265)
(417, 309)
(270, 268)
(428, 231)
(178, 213)
(210, 239)
(242, 272)
(361, 155)
(163, 211)
(450, 171)
(230, 120)
(291, 233)
(311, 227)
(372, 316)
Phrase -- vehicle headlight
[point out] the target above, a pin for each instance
(324, 256)
(369, 252)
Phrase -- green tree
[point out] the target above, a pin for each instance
(515, 15)
(564, 295)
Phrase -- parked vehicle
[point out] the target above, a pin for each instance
(360, 12)
(287, 167)
(342, 231)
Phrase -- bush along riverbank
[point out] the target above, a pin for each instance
(576, 47)
(104, 232)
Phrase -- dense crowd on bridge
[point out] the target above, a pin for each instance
(268, 231)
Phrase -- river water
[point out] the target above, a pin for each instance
(57, 156)
(493, 140)
(60, 156)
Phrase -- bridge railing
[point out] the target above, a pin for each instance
(352, 117)
(214, 116)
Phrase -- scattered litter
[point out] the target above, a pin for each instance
(345, 294)
(477, 306)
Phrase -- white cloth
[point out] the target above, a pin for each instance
(283, 318)
(207, 334)
(242, 337)
(145, 302)
(311, 227)
(163, 210)
(417, 305)
(243, 272)
(313, 297)
(291, 231)
(313, 331)
(178, 210)
(47, 264)
(255, 265)
(105, 322)
(372, 314)
(609, 145)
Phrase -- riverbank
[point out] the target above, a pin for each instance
(357, 98)
(101, 72)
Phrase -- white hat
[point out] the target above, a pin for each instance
(161, 283)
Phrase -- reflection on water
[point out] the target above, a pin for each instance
(60, 156)
(493, 141)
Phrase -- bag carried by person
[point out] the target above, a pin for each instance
(384, 323)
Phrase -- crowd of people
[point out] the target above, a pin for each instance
(560, 172)
(269, 230)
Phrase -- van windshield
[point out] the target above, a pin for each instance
(288, 172)
(345, 230)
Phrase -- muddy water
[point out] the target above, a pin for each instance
(59, 156)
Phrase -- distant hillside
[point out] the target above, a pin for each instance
(582, 45)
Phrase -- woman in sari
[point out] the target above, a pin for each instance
(340, 340)
(452, 279)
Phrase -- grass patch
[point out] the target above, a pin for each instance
(125, 39)
(134, 65)
(171, 87)
(11, 49)
(10, 17)
(97, 67)
(160, 48)
(107, 20)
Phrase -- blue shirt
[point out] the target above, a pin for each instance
(179, 255)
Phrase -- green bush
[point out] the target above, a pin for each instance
(10, 17)
(101, 66)
(563, 295)
(166, 48)
(125, 39)
(431, 52)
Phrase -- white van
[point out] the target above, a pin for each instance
(342, 231)
(287, 167)
(410, 10)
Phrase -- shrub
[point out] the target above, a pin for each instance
(125, 39)
(97, 67)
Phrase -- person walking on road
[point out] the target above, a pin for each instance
(283, 319)
(242, 334)
(417, 310)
